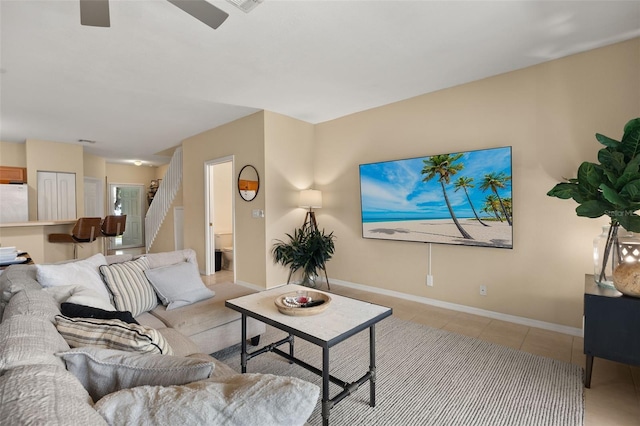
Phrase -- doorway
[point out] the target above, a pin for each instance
(219, 213)
(128, 199)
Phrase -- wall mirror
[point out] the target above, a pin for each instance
(248, 182)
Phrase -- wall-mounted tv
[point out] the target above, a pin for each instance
(459, 198)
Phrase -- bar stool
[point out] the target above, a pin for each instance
(86, 230)
(112, 226)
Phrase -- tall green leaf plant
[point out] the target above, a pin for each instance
(610, 188)
(307, 249)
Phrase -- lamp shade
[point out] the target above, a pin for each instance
(310, 198)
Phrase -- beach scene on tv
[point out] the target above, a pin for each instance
(459, 198)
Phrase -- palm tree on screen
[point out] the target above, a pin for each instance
(491, 205)
(443, 166)
(464, 183)
(495, 181)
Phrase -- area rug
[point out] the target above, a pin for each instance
(427, 376)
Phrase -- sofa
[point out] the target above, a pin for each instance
(70, 354)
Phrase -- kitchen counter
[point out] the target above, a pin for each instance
(36, 223)
(33, 237)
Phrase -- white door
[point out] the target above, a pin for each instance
(93, 197)
(128, 199)
(47, 196)
(215, 200)
(66, 195)
(56, 196)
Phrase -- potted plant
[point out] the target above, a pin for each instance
(610, 188)
(308, 249)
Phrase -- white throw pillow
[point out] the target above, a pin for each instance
(178, 285)
(80, 296)
(83, 273)
(103, 371)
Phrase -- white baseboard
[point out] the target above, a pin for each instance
(251, 286)
(573, 331)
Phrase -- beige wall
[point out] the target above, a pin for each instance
(13, 154)
(288, 169)
(244, 139)
(549, 114)
(123, 173)
(94, 166)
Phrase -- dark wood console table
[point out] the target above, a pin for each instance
(611, 326)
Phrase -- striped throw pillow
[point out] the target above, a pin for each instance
(111, 334)
(129, 286)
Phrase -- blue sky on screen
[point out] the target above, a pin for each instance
(394, 190)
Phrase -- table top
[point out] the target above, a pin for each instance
(343, 317)
(593, 289)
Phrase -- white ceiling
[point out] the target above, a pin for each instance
(158, 76)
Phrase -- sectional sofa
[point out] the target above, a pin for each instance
(119, 340)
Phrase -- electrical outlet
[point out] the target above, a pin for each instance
(430, 280)
(483, 290)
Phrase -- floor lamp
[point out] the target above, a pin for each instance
(312, 199)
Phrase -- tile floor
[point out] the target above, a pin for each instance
(614, 396)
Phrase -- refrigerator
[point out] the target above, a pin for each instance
(14, 203)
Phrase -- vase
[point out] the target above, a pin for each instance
(605, 259)
(309, 280)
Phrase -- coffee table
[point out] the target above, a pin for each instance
(343, 318)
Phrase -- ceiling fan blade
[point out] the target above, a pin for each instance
(94, 13)
(203, 11)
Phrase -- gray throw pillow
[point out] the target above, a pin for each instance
(129, 286)
(178, 285)
(103, 371)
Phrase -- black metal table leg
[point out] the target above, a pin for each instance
(243, 353)
(372, 365)
(291, 347)
(326, 401)
(588, 371)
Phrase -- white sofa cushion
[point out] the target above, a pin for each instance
(103, 371)
(82, 272)
(28, 340)
(80, 295)
(32, 302)
(111, 334)
(45, 395)
(178, 285)
(242, 399)
(129, 287)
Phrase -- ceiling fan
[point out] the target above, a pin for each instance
(95, 13)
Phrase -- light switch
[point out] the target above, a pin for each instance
(256, 213)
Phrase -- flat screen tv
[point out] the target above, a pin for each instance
(461, 198)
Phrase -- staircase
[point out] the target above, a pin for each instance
(163, 199)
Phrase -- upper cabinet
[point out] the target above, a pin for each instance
(13, 174)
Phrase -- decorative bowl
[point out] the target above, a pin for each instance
(302, 303)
